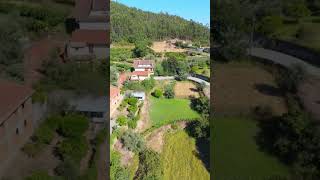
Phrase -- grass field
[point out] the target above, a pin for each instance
(236, 155)
(163, 111)
(304, 33)
(179, 159)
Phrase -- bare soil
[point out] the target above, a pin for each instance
(23, 165)
(239, 87)
(185, 89)
(126, 155)
(309, 94)
(163, 46)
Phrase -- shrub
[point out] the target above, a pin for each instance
(150, 166)
(122, 121)
(270, 23)
(44, 134)
(169, 91)
(68, 169)
(74, 148)
(157, 93)
(132, 101)
(132, 123)
(132, 109)
(133, 141)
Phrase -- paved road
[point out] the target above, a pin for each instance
(159, 78)
(283, 59)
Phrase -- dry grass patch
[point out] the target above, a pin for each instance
(239, 87)
(185, 89)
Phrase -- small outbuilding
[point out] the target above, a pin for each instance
(140, 95)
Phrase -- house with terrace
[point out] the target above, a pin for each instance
(88, 44)
(143, 69)
(89, 26)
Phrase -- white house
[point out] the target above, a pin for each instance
(144, 65)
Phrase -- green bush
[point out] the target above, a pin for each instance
(132, 101)
(68, 169)
(122, 121)
(73, 125)
(44, 134)
(157, 93)
(133, 141)
(74, 148)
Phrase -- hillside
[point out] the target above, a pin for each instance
(131, 23)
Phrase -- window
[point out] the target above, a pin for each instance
(25, 123)
(22, 105)
(17, 131)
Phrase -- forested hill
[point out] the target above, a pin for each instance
(131, 23)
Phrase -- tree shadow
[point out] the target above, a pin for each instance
(268, 89)
(193, 89)
(202, 151)
(318, 102)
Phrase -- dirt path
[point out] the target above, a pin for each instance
(309, 94)
(155, 140)
(102, 161)
(144, 122)
(35, 56)
(126, 155)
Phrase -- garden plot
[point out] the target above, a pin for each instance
(185, 89)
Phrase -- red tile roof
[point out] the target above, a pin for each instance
(12, 95)
(140, 73)
(114, 91)
(83, 8)
(91, 37)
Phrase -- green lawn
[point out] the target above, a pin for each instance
(164, 111)
(236, 155)
(179, 159)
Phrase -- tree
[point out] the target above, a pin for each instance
(114, 75)
(270, 24)
(141, 49)
(133, 141)
(150, 166)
